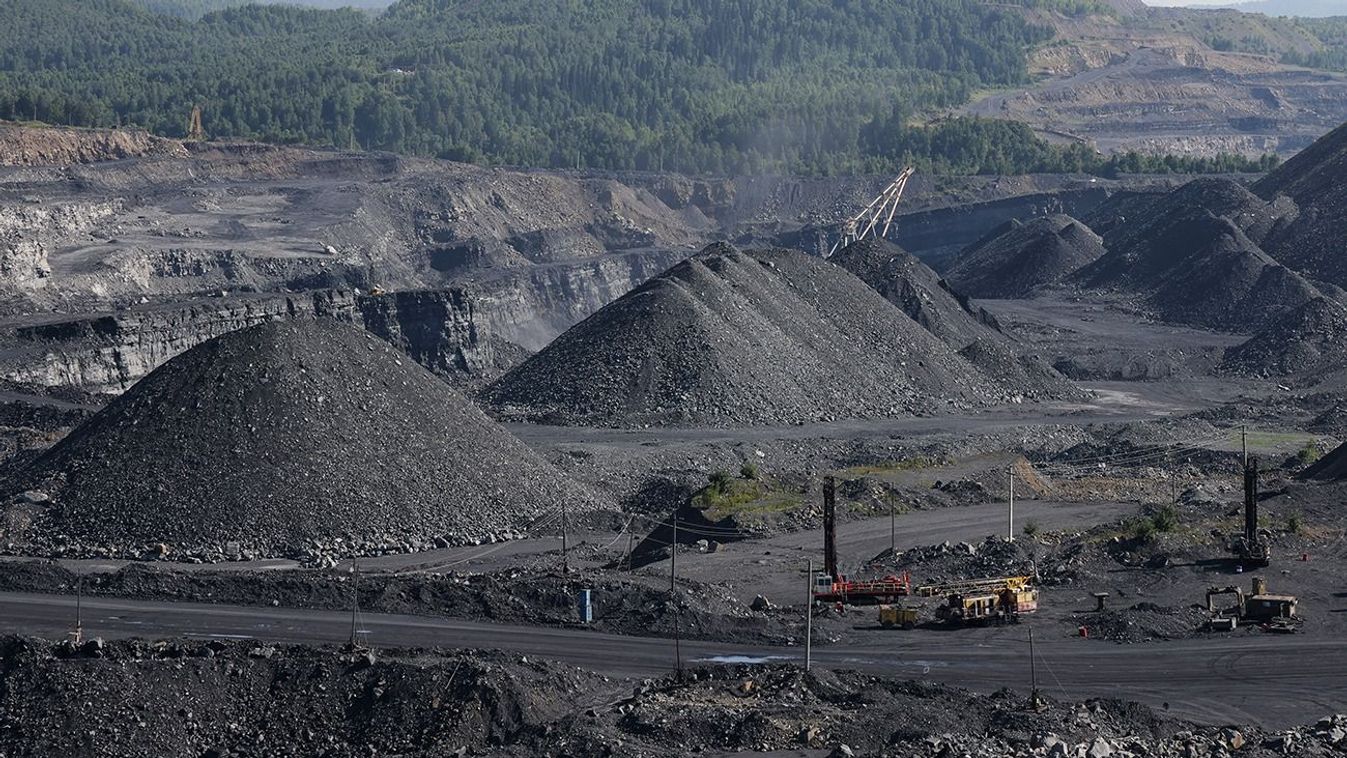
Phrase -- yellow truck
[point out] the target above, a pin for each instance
(897, 617)
(1009, 604)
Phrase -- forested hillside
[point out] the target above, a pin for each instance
(690, 85)
(199, 8)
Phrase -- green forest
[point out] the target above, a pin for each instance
(697, 86)
(199, 8)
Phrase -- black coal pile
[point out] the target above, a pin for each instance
(950, 562)
(1017, 258)
(1310, 340)
(1311, 242)
(244, 699)
(214, 698)
(284, 438)
(1330, 468)
(1192, 257)
(919, 292)
(1143, 622)
(731, 338)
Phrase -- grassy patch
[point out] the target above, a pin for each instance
(746, 498)
(1259, 440)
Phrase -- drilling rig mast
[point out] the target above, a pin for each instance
(195, 132)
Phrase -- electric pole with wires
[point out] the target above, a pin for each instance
(358, 640)
(673, 597)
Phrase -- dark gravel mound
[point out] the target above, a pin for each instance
(1330, 468)
(1193, 258)
(920, 293)
(283, 436)
(1311, 242)
(247, 699)
(918, 290)
(1311, 339)
(730, 338)
(1017, 258)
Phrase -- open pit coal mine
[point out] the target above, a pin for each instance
(327, 453)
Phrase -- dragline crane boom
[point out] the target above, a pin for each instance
(880, 210)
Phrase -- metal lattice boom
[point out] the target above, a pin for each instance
(864, 224)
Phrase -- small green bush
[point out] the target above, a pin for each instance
(1166, 519)
(1143, 529)
(1031, 529)
(1295, 523)
(720, 481)
(749, 470)
(1309, 454)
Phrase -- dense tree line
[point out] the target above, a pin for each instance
(1332, 33)
(720, 86)
(199, 8)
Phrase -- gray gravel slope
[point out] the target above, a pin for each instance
(732, 338)
(280, 435)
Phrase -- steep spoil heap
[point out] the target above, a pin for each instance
(918, 291)
(1312, 339)
(283, 436)
(1330, 468)
(1312, 241)
(1017, 258)
(1193, 258)
(730, 338)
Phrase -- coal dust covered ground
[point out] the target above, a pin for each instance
(328, 448)
(252, 699)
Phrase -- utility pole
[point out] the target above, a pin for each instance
(1011, 527)
(893, 531)
(673, 553)
(673, 594)
(565, 552)
(355, 602)
(77, 636)
(809, 614)
(630, 539)
(1173, 476)
(1244, 442)
(1033, 673)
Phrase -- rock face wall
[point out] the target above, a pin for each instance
(440, 329)
(29, 231)
(20, 146)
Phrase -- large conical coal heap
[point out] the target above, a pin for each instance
(917, 290)
(730, 338)
(1193, 257)
(1018, 258)
(1311, 241)
(1310, 340)
(281, 436)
